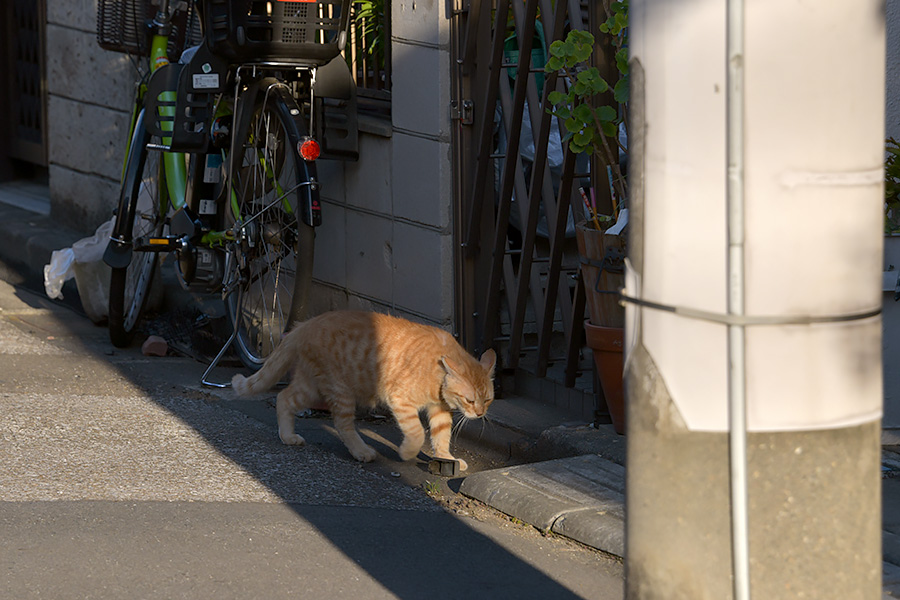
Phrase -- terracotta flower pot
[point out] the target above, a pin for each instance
(607, 345)
(602, 272)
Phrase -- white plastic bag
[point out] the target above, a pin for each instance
(91, 249)
(84, 261)
(92, 274)
(58, 272)
(92, 281)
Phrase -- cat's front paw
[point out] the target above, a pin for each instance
(408, 452)
(292, 439)
(365, 454)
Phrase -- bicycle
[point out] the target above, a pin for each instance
(220, 167)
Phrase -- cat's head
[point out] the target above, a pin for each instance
(469, 385)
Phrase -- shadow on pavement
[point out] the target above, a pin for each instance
(400, 537)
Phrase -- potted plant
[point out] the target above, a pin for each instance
(594, 129)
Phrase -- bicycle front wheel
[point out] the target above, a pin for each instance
(273, 247)
(129, 287)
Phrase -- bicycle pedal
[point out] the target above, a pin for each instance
(157, 244)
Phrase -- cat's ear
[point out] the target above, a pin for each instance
(489, 361)
(450, 366)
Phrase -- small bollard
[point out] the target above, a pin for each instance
(445, 467)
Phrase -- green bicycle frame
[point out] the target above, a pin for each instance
(174, 162)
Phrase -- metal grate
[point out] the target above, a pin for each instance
(27, 94)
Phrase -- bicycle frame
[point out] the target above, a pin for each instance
(174, 172)
(174, 162)
(178, 107)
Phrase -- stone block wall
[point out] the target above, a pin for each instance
(387, 238)
(89, 98)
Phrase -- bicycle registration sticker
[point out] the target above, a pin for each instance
(206, 81)
(213, 170)
(207, 207)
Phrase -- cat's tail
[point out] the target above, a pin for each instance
(276, 365)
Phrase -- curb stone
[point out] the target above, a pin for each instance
(582, 498)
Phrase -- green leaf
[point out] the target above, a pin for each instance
(580, 37)
(583, 52)
(577, 148)
(555, 97)
(583, 113)
(583, 138)
(622, 61)
(554, 64)
(606, 114)
(580, 88)
(572, 125)
(556, 48)
(599, 85)
(609, 129)
(620, 93)
(591, 78)
(563, 112)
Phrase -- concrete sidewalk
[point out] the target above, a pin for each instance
(571, 480)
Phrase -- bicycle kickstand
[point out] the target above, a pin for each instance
(215, 361)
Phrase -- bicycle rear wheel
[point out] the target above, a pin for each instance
(129, 287)
(273, 249)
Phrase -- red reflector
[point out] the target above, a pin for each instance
(309, 149)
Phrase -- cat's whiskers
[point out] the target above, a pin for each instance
(457, 426)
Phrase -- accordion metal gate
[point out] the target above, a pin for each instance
(518, 286)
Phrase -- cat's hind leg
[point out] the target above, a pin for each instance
(297, 396)
(440, 424)
(343, 410)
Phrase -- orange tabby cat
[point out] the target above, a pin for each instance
(351, 358)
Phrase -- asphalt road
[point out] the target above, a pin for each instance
(122, 477)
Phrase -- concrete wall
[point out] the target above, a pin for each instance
(385, 242)
(386, 238)
(89, 101)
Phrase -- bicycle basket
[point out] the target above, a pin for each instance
(305, 32)
(124, 26)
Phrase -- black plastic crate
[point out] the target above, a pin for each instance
(278, 30)
(124, 26)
